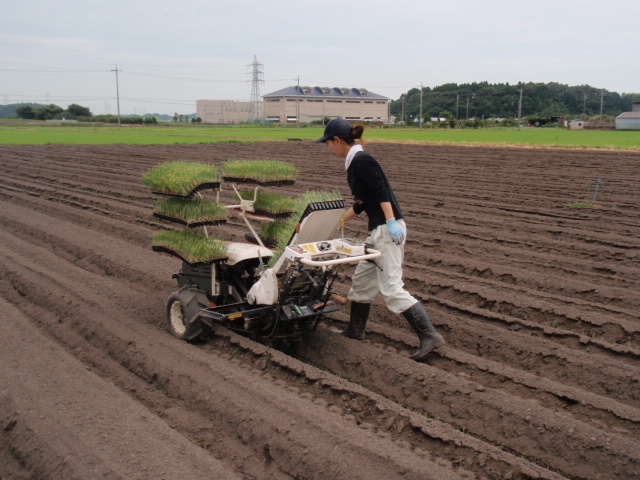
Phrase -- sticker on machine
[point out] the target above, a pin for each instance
(310, 247)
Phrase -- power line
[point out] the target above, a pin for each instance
(105, 65)
(50, 71)
(168, 101)
(157, 75)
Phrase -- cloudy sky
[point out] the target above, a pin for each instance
(170, 53)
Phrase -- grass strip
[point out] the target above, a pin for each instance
(19, 132)
(180, 178)
(259, 170)
(192, 246)
(191, 210)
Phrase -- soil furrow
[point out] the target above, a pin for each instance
(530, 310)
(529, 292)
(195, 377)
(580, 403)
(560, 441)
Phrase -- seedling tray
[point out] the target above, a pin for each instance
(203, 186)
(250, 237)
(258, 214)
(161, 249)
(319, 206)
(262, 183)
(204, 223)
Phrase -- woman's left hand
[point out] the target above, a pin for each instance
(396, 231)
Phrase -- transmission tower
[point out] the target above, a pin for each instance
(256, 79)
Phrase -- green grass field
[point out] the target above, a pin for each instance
(40, 134)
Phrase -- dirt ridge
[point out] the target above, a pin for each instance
(538, 302)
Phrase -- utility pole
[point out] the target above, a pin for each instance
(457, 107)
(402, 116)
(298, 105)
(601, 104)
(520, 108)
(420, 118)
(256, 80)
(117, 93)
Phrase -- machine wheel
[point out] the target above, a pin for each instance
(183, 314)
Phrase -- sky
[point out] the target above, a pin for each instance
(168, 54)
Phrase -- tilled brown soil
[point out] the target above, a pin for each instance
(537, 300)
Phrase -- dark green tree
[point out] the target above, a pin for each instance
(484, 100)
(26, 111)
(77, 111)
(49, 112)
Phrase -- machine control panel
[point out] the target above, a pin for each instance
(296, 311)
(325, 248)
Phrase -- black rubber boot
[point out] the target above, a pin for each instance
(358, 320)
(429, 339)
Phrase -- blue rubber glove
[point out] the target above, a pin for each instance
(396, 231)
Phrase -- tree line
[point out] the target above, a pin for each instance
(51, 112)
(73, 112)
(482, 100)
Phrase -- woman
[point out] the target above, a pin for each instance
(375, 197)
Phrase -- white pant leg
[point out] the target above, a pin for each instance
(368, 279)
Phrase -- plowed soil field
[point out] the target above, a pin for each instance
(539, 303)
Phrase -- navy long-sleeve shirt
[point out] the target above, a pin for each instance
(370, 187)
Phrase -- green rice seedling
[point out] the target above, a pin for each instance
(268, 202)
(193, 246)
(197, 210)
(181, 178)
(274, 230)
(259, 171)
(289, 225)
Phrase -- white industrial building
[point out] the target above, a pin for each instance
(629, 120)
(225, 112)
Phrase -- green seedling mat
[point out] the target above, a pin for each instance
(181, 178)
(175, 240)
(264, 172)
(192, 212)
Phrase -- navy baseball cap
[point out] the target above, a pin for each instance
(338, 127)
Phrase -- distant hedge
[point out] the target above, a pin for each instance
(123, 120)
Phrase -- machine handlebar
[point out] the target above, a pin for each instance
(337, 261)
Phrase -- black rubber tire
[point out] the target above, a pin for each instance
(183, 314)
